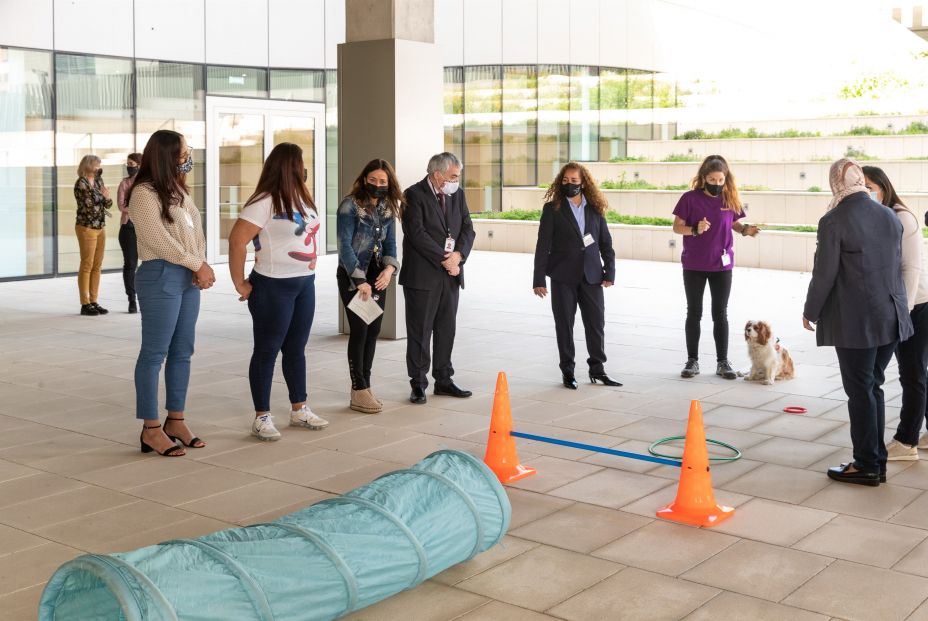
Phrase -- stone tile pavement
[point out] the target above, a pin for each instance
(584, 543)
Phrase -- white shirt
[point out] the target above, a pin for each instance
(283, 249)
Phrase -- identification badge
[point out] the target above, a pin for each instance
(726, 260)
(588, 240)
(449, 244)
(188, 219)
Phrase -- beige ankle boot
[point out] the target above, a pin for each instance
(371, 390)
(364, 401)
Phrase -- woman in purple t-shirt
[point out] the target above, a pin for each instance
(706, 217)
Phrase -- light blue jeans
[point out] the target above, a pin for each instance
(170, 304)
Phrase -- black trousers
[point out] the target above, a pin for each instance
(863, 374)
(430, 312)
(565, 299)
(694, 284)
(912, 356)
(130, 257)
(362, 340)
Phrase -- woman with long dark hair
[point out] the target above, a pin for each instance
(172, 249)
(574, 248)
(911, 354)
(366, 263)
(281, 219)
(706, 217)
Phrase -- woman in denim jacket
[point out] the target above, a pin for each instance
(367, 261)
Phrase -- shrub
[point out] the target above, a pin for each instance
(693, 134)
(859, 154)
(682, 157)
(754, 188)
(915, 127)
(628, 158)
(814, 188)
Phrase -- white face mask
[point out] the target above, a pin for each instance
(875, 196)
(450, 187)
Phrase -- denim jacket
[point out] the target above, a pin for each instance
(359, 232)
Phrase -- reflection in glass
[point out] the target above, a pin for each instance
(331, 157)
(482, 128)
(520, 124)
(454, 110)
(584, 114)
(26, 160)
(236, 81)
(640, 104)
(95, 110)
(613, 105)
(300, 131)
(298, 85)
(241, 157)
(553, 120)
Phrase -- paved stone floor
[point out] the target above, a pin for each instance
(584, 543)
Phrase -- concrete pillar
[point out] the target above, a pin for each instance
(390, 104)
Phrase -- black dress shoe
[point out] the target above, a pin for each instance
(882, 474)
(100, 310)
(570, 382)
(860, 477)
(450, 389)
(605, 379)
(89, 310)
(417, 395)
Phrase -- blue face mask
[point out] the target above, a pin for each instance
(875, 196)
(187, 166)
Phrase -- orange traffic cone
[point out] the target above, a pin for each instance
(501, 454)
(695, 503)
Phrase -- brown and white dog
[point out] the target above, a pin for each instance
(769, 359)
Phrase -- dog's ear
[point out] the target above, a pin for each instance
(763, 332)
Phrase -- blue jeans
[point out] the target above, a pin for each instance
(170, 304)
(282, 311)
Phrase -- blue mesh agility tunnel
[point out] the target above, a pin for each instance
(334, 557)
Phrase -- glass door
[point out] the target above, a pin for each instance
(240, 135)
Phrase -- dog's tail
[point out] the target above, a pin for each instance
(787, 369)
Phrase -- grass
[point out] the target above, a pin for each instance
(628, 158)
(682, 157)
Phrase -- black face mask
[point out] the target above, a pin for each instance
(377, 191)
(131, 170)
(713, 189)
(571, 189)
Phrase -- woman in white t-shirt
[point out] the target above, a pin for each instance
(281, 219)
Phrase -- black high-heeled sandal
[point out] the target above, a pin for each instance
(168, 452)
(193, 441)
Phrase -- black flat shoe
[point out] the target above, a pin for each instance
(417, 395)
(89, 310)
(450, 389)
(604, 378)
(882, 474)
(168, 452)
(570, 382)
(100, 310)
(195, 442)
(841, 473)
(133, 307)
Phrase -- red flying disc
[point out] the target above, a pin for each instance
(795, 409)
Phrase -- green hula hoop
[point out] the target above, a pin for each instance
(734, 449)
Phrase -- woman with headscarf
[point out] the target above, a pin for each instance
(857, 300)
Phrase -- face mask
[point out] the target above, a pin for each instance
(713, 189)
(450, 187)
(98, 173)
(131, 170)
(187, 166)
(377, 191)
(875, 196)
(571, 189)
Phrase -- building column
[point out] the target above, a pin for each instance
(390, 105)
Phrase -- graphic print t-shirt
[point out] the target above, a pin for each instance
(283, 248)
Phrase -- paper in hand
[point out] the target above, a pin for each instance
(368, 310)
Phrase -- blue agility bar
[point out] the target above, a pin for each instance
(596, 449)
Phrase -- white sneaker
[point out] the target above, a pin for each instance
(264, 428)
(304, 417)
(923, 441)
(897, 451)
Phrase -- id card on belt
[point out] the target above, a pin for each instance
(449, 244)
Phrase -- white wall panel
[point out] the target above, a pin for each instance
(553, 32)
(236, 32)
(613, 35)
(170, 30)
(94, 27)
(26, 23)
(584, 32)
(449, 31)
(297, 33)
(520, 32)
(334, 30)
(483, 32)
(641, 34)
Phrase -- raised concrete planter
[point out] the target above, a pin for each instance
(824, 126)
(770, 250)
(799, 208)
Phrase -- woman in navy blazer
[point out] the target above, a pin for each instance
(575, 249)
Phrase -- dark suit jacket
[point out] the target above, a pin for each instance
(425, 228)
(560, 253)
(856, 295)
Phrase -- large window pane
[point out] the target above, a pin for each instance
(94, 117)
(298, 85)
(520, 125)
(640, 104)
(483, 103)
(236, 81)
(26, 160)
(171, 96)
(613, 115)
(454, 110)
(584, 114)
(553, 120)
(332, 199)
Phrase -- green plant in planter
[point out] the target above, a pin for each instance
(814, 188)
(682, 157)
(859, 154)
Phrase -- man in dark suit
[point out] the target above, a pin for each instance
(437, 238)
(857, 299)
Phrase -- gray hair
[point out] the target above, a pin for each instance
(442, 162)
